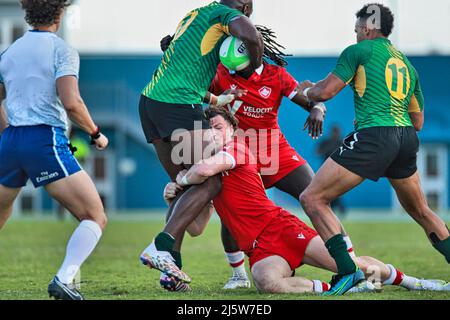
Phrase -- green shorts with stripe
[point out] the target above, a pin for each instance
(377, 152)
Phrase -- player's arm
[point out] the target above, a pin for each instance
(245, 30)
(205, 169)
(290, 89)
(223, 99)
(3, 117)
(347, 66)
(324, 90)
(316, 118)
(69, 93)
(416, 107)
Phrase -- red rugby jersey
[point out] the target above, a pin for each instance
(243, 205)
(259, 108)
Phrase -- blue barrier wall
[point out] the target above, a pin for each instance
(111, 85)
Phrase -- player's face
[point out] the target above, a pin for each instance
(361, 31)
(222, 131)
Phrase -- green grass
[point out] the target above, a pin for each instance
(31, 251)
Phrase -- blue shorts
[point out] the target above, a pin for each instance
(40, 153)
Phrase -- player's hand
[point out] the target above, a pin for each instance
(171, 190)
(227, 97)
(315, 121)
(102, 142)
(180, 177)
(165, 42)
(305, 84)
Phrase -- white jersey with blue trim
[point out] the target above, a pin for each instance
(29, 70)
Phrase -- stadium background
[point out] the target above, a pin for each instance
(120, 51)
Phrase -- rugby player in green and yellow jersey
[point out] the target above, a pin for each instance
(389, 108)
(172, 101)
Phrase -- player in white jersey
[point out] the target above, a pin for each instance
(39, 79)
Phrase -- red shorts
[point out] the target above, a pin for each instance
(286, 236)
(288, 161)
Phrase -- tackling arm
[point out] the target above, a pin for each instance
(207, 168)
(244, 29)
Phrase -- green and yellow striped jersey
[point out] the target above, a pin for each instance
(385, 84)
(190, 63)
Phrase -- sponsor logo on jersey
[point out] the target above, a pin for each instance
(295, 158)
(233, 87)
(256, 113)
(265, 92)
(46, 176)
(301, 236)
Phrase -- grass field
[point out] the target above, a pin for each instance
(31, 251)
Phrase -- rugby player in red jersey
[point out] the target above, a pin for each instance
(257, 111)
(275, 241)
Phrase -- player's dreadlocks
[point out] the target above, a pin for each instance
(272, 49)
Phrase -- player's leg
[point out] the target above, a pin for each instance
(236, 259)
(412, 198)
(196, 228)
(317, 255)
(405, 179)
(185, 210)
(274, 275)
(331, 181)
(296, 182)
(77, 193)
(7, 197)
(375, 271)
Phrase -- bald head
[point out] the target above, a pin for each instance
(244, 6)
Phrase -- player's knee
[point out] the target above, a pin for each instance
(98, 217)
(309, 201)
(420, 212)
(101, 220)
(264, 281)
(267, 286)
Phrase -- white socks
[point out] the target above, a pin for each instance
(349, 246)
(80, 246)
(320, 286)
(236, 261)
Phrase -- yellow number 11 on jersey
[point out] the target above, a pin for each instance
(397, 78)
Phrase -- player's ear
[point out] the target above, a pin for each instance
(246, 10)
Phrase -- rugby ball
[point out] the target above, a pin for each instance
(234, 54)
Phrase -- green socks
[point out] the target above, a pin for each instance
(165, 242)
(444, 248)
(177, 257)
(337, 248)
